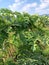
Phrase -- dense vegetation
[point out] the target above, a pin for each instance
(24, 38)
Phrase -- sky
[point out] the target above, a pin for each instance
(29, 6)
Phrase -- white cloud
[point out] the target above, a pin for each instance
(27, 7)
(44, 4)
(16, 5)
(45, 1)
(42, 7)
(17, 0)
(34, 7)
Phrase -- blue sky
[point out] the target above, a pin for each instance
(30, 6)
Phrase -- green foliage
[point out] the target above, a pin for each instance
(19, 34)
